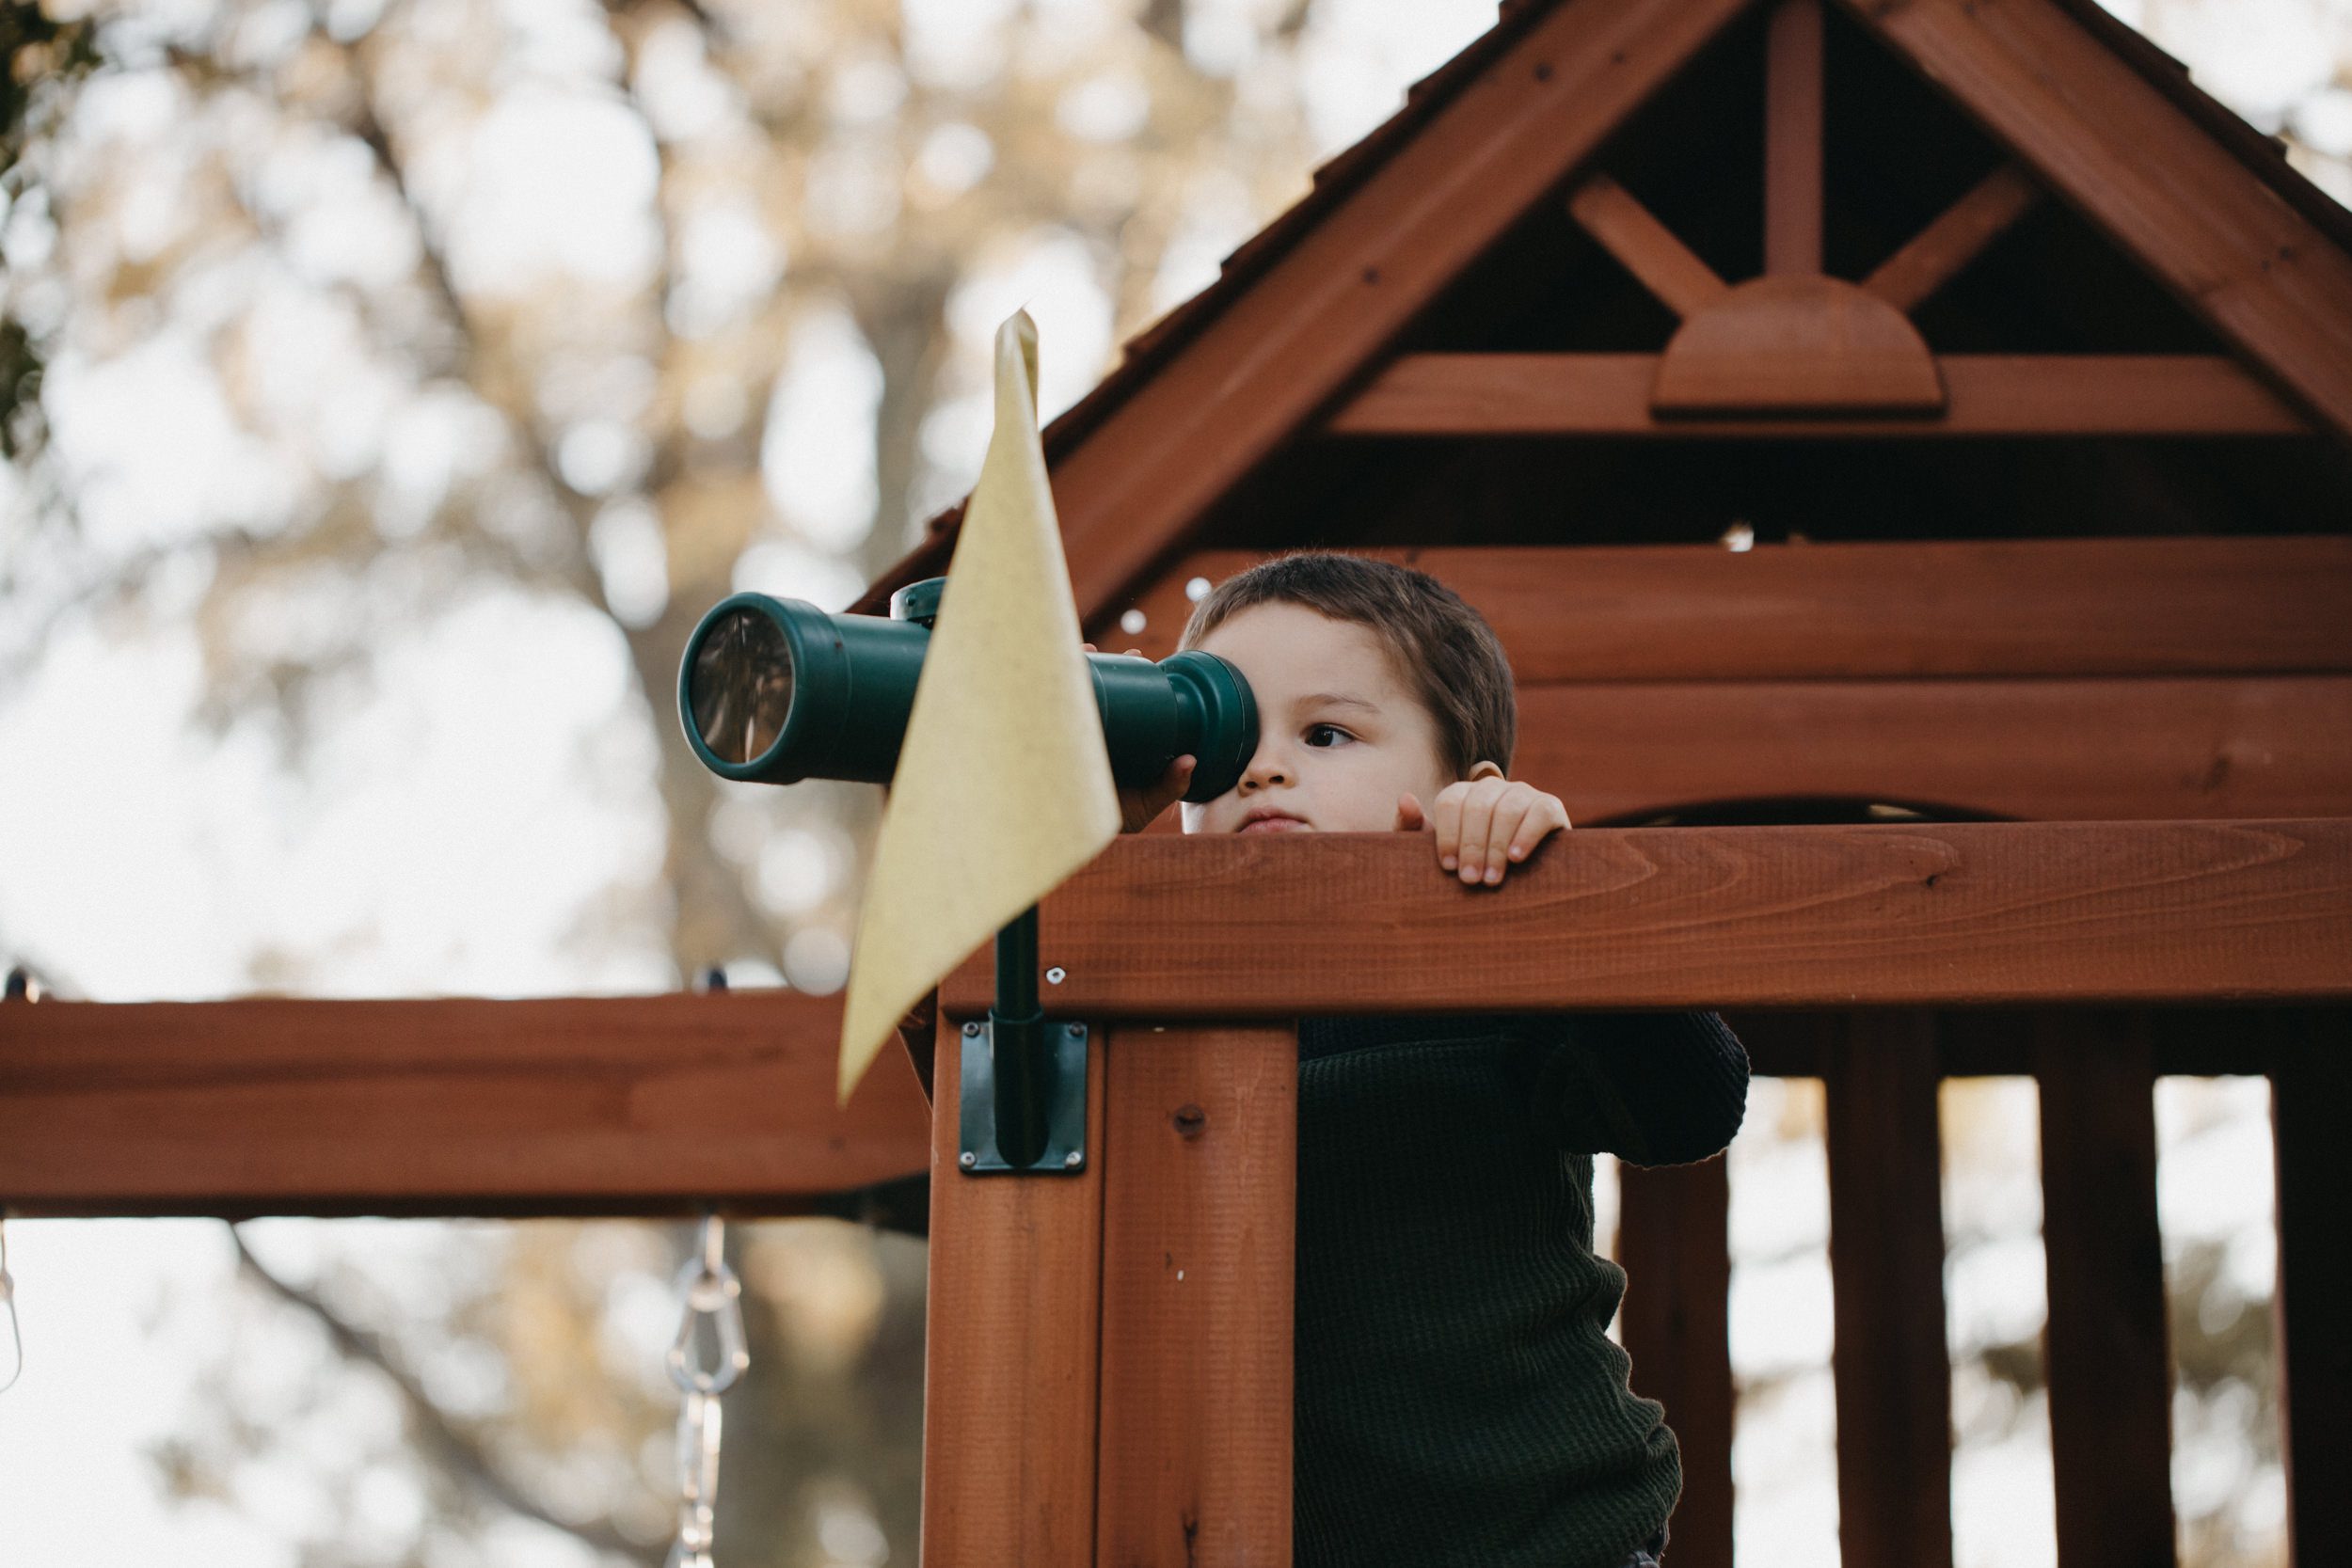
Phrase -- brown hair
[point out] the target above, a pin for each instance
(1443, 648)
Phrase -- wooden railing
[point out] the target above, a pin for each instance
(1109, 1351)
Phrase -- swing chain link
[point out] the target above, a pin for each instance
(7, 1305)
(708, 1291)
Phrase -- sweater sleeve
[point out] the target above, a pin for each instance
(1651, 1088)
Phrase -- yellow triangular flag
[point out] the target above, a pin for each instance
(1004, 785)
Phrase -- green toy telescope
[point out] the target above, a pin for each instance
(775, 690)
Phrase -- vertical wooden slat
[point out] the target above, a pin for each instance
(1199, 1224)
(2310, 1107)
(1672, 1239)
(1792, 140)
(1886, 1267)
(2111, 1382)
(1010, 1380)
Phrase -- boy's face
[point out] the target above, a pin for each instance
(1339, 735)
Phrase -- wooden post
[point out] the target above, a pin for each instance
(1672, 1225)
(2311, 1103)
(1792, 140)
(1199, 1220)
(1886, 1268)
(1011, 1352)
(2111, 1381)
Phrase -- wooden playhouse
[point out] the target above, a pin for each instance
(1906, 448)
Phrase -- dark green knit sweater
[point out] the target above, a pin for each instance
(1458, 1401)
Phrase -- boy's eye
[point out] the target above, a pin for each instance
(1326, 735)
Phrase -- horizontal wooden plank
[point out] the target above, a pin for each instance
(2078, 750)
(1911, 915)
(1986, 394)
(579, 1104)
(1993, 1042)
(2039, 607)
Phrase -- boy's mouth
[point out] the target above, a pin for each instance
(1273, 822)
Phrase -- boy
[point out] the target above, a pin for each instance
(1457, 1399)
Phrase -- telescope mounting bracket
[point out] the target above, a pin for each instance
(1063, 1057)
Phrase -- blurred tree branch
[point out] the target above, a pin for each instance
(458, 1455)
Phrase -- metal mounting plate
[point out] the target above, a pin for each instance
(1066, 1118)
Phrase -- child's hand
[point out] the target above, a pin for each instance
(1139, 807)
(1485, 822)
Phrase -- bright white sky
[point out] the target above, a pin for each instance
(448, 835)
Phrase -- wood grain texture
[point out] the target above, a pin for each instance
(1290, 342)
(2099, 135)
(1646, 248)
(2041, 606)
(1793, 139)
(1011, 1348)
(604, 1104)
(1673, 1242)
(1915, 914)
(1886, 1272)
(1198, 1232)
(2110, 1379)
(1983, 395)
(2050, 749)
(1798, 344)
(1939, 253)
(2311, 1101)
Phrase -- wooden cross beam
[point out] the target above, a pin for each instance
(655, 1103)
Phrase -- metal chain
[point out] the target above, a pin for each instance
(708, 1289)
(7, 1305)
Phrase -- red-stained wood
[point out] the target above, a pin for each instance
(1917, 914)
(1283, 347)
(1649, 249)
(1672, 1240)
(1794, 344)
(2185, 1041)
(1792, 140)
(1936, 255)
(2110, 1379)
(1985, 395)
(607, 1105)
(2038, 607)
(1199, 1222)
(2079, 750)
(1887, 1270)
(2310, 1106)
(2124, 156)
(1011, 1349)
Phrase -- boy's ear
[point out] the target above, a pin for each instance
(1485, 770)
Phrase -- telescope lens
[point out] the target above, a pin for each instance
(741, 688)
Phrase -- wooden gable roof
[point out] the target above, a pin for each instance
(1306, 314)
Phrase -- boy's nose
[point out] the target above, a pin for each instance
(1263, 772)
